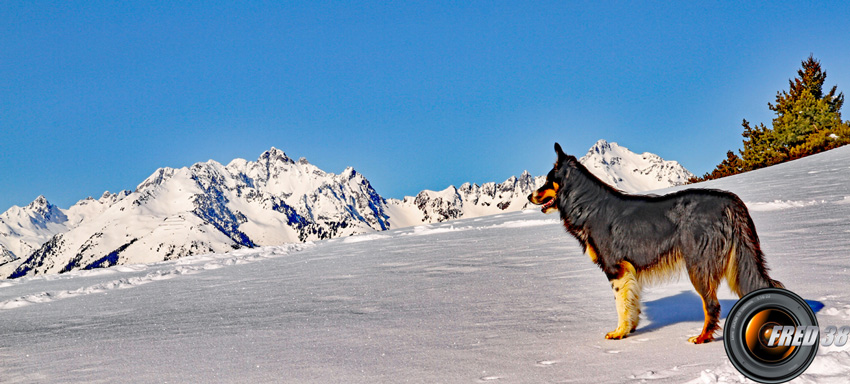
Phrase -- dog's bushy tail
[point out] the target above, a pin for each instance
(746, 270)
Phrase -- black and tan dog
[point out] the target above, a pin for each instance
(635, 239)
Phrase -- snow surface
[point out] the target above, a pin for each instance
(505, 298)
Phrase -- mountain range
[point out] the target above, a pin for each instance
(210, 207)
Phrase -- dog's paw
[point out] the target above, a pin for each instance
(701, 339)
(617, 334)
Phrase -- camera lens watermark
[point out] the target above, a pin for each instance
(771, 335)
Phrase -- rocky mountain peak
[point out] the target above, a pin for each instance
(275, 155)
(40, 203)
(157, 178)
(601, 147)
(41, 211)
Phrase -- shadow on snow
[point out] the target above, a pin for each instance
(687, 306)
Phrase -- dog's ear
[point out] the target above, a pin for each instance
(560, 152)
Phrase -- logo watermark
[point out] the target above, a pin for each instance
(771, 335)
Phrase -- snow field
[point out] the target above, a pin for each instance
(160, 271)
(496, 299)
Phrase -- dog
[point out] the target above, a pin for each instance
(636, 239)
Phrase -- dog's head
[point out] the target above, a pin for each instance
(547, 195)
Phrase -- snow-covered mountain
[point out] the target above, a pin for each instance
(470, 200)
(210, 207)
(205, 208)
(24, 229)
(632, 172)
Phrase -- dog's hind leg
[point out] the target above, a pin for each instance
(627, 296)
(706, 286)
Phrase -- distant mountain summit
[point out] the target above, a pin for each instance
(210, 207)
(632, 172)
(470, 200)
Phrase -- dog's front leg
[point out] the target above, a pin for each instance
(627, 297)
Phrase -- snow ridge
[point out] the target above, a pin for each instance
(160, 271)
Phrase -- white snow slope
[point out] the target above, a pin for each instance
(506, 298)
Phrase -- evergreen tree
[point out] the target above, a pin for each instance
(760, 147)
(728, 167)
(807, 122)
(811, 78)
(804, 110)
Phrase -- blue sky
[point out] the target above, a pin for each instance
(96, 96)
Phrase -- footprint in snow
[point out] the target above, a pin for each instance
(546, 363)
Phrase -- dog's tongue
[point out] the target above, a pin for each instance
(548, 205)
